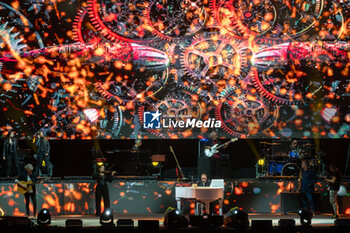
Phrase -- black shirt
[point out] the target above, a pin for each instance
(336, 185)
(201, 184)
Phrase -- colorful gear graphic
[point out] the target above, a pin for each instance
(277, 86)
(83, 30)
(179, 105)
(176, 19)
(244, 18)
(213, 56)
(296, 17)
(120, 20)
(243, 113)
(9, 41)
(127, 90)
(110, 125)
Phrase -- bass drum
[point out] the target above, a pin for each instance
(290, 169)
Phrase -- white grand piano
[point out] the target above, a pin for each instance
(202, 194)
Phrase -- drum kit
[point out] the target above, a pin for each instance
(288, 164)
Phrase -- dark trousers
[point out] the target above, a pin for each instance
(101, 190)
(307, 201)
(27, 201)
(39, 161)
(12, 160)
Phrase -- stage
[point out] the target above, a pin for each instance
(323, 220)
(90, 223)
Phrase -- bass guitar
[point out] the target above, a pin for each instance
(209, 152)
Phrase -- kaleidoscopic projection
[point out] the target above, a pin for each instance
(175, 68)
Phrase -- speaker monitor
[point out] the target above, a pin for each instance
(148, 225)
(262, 225)
(74, 223)
(342, 222)
(196, 220)
(12, 221)
(286, 223)
(216, 220)
(125, 223)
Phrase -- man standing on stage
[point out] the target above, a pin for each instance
(28, 178)
(102, 177)
(334, 185)
(10, 154)
(43, 149)
(308, 179)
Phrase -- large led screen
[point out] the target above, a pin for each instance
(175, 68)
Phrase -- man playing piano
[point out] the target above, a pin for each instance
(204, 182)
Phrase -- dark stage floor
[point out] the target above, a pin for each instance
(320, 223)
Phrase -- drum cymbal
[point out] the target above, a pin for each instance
(271, 143)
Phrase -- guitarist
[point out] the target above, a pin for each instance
(213, 140)
(212, 170)
(29, 178)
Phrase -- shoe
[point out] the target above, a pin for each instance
(335, 216)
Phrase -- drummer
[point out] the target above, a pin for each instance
(294, 150)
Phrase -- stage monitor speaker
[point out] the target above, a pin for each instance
(342, 222)
(12, 221)
(262, 225)
(196, 220)
(216, 220)
(286, 223)
(148, 225)
(74, 223)
(125, 224)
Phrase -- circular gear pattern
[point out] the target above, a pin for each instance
(296, 17)
(124, 89)
(245, 113)
(213, 56)
(178, 105)
(286, 86)
(120, 19)
(83, 30)
(245, 17)
(176, 19)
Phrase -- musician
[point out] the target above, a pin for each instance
(10, 154)
(102, 177)
(334, 185)
(210, 165)
(28, 177)
(294, 150)
(213, 140)
(204, 182)
(307, 181)
(137, 145)
(43, 148)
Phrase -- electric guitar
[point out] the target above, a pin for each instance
(209, 152)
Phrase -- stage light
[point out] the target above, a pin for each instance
(261, 162)
(155, 164)
(236, 218)
(44, 217)
(173, 219)
(99, 164)
(106, 218)
(305, 217)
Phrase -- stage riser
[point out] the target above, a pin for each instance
(143, 197)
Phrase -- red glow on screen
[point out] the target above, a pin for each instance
(347, 211)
